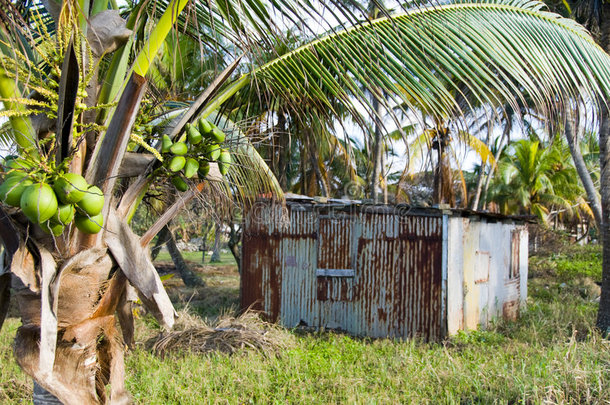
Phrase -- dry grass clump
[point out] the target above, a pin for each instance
(227, 335)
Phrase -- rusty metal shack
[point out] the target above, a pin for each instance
(382, 271)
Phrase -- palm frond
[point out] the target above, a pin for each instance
(249, 175)
(497, 51)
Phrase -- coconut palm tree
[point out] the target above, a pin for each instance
(595, 16)
(538, 180)
(68, 341)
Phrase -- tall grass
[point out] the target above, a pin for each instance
(552, 354)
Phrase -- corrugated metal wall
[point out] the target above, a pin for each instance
(487, 273)
(381, 274)
(370, 274)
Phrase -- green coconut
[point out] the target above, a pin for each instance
(194, 137)
(13, 187)
(52, 228)
(212, 152)
(177, 163)
(191, 167)
(204, 126)
(204, 169)
(166, 144)
(179, 183)
(224, 162)
(92, 202)
(64, 214)
(38, 202)
(17, 163)
(218, 136)
(90, 225)
(70, 188)
(179, 148)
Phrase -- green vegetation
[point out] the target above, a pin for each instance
(570, 263)
(226, 259)
(551, 354)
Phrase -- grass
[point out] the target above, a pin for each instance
(550, 355)
(570, 262)
(226, 259)
(221, 291)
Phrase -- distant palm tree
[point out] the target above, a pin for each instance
(537, 180)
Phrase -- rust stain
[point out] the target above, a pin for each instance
(251, 281)
(510, 310)
(394, 290)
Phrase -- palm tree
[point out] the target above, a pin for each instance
(594, 15)
(495, 55)
(537, 180)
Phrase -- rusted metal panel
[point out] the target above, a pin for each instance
(334, 241)
(299, 304)
(380, 272)
(515, 247)
(262, 255)
(251, 278)
(399, 277)
(523, 262)
(510, 310)
(335, 266)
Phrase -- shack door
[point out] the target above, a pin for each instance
(336, 266)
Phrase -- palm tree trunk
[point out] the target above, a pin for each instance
(479, 188)
(284, 152)
(477, 192)
(384, 187)
(234, 238)
(377, 149)
(314, 159)
(161, 240)
(204, 239)
(583, 173)
(186, 274)
(216, 249)
(505, 133)
(304, 188)
(603, 314)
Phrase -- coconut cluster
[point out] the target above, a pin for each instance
(53, 204)
(191, 155)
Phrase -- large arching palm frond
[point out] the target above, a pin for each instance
(495, 50)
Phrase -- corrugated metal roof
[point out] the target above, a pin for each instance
(400, 209)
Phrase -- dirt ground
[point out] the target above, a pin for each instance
(219, 296)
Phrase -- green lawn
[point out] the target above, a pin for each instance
(550, 355)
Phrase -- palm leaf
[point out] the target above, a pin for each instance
(479, 147)
(496, 51)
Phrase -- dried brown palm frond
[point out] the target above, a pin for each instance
(228, 335)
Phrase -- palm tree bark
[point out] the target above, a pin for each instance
(603, 314)
(186, 274)
(283, 153)
(583, 172)
(315, 165)
(216, 249)
(377, 149)
(161, 240)
(477, 193)
(505, 134)
(234, 239)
